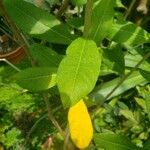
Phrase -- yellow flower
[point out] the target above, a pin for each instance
(80, 125)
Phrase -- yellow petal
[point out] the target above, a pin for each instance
(80, 125)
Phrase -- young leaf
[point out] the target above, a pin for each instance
(37, 79)
(37, 22)
(78, 71)
(145, 74)
(128, 33)
(102, 18)
(44, 56)
(113, 141)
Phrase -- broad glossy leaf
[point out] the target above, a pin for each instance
(44, 56)
(37, 22)
(145, 74)
(37, 79)
(110, 141)
(78, 71)
(102, 18)
(128, 33)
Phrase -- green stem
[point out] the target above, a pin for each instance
(129, 9)
(10, 64)
(88, 18)
(50, 115)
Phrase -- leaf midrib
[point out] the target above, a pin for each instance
(78, 65)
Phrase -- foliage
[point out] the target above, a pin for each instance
(102, 60)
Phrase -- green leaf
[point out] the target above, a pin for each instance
(146, 145)
(103, 90)
(145, 74)
(102, 19)
(114, 59)
(79, 2)
(128, 33)
(37, 79)
(37, 22)
(147, 101)
(78, 71)
(110, 141)
(129, 115)
(44, 56)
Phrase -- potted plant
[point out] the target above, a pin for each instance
(10, 47)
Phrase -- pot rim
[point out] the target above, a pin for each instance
(3, 55)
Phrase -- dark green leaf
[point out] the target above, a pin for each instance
(113, 142)
(147, 145)
(145, 74)
(38, 22)
(45, 56)
(114, 59)
(37, 79)
(78, 71)
(102, 18)
(128, 33)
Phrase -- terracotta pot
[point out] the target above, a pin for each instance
(14, 56)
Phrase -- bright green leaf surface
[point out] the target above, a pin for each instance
(79, 70)
(79, 2)
(44, 56)
(102, 18)
(37, 79)
(113, 142)
(37, 22)
(129, 33)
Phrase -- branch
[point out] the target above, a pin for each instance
(50, 115)
(62, 8)
(88, 18)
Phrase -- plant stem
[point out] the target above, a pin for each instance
(10, 64)
(62, 8)
(50, 115)
(124, 78)
(88, 18)
(129, 9)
